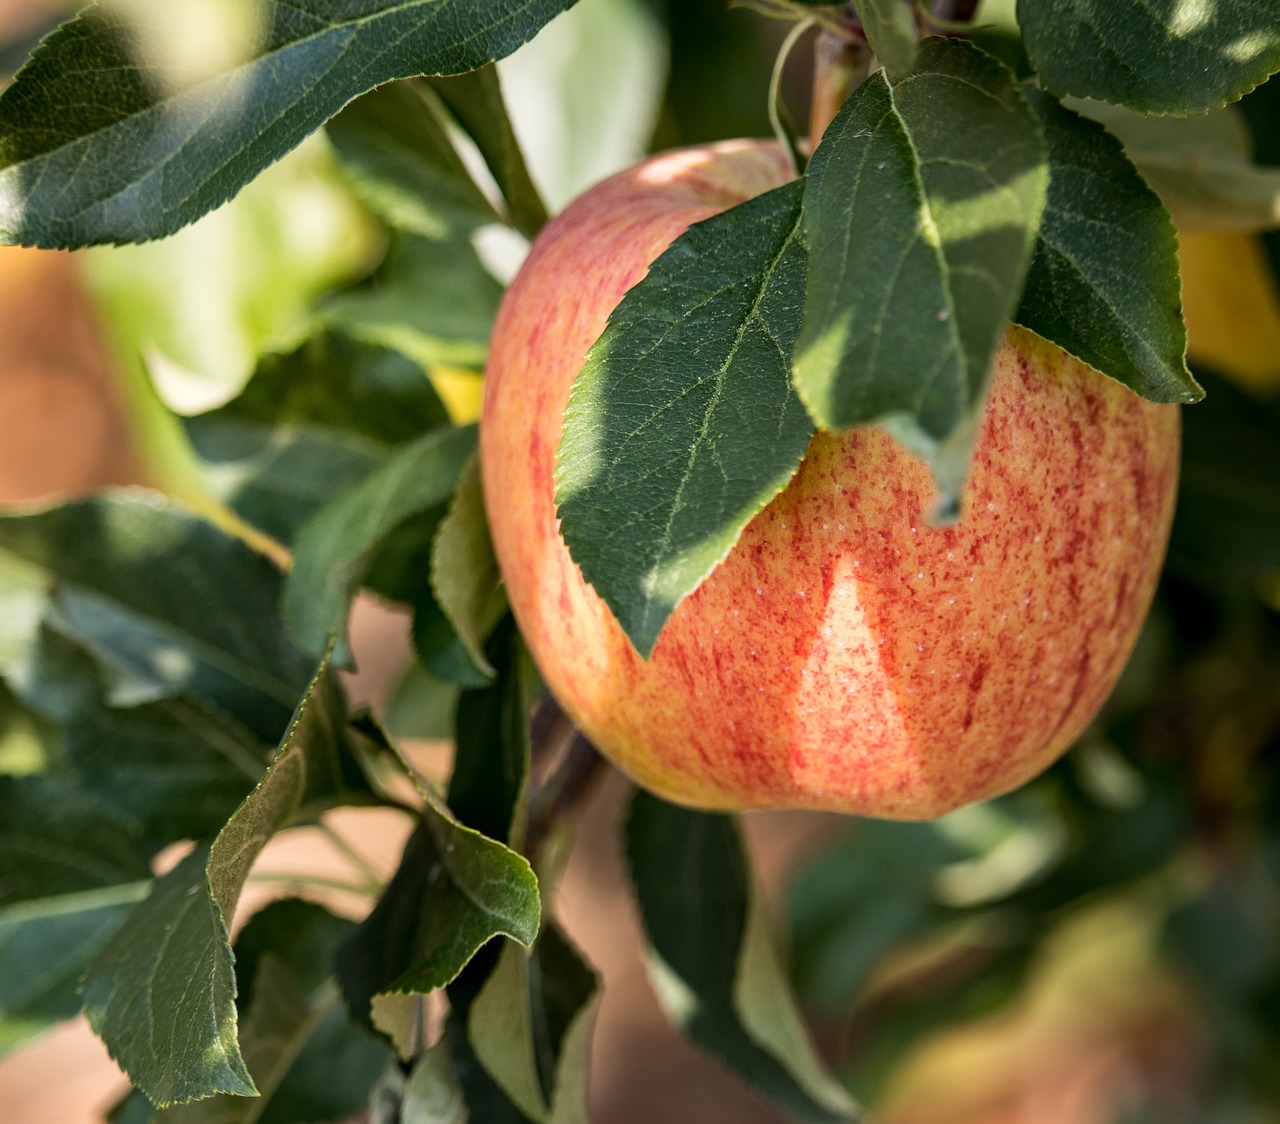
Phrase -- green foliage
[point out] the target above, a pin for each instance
(683, 423)
(100, 142)
(921, 207)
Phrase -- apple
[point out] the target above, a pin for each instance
(846, 654)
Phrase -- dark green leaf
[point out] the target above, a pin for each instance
(856, 901)
(454, 891)
(1156, 56)
(177, 767)
(132, 1108)
(476, 100)
(401, 563)
(1203, 167)
(683, 423)
(530, 1026)
(491, 758)
(464, 572)
(431, 299)
(145, 586)
(920, 211)
(403, 164)
(56, 840)
(709, 959)
(334, 549)
(178, 1043)
(439, 648)
(890, 28)
(102, 140)
(310, 424)
(1103, 283)
(1227, 525)
(303, 934)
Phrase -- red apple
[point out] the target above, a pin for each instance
(846, 654)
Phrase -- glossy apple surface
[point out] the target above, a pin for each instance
(846, 655)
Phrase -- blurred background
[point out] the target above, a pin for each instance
(1102, 947)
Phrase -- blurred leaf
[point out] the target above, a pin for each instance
(431, 1095)
(1227, 525)
(1156, 58)
(24, 593)
(920, 225)
(402, 163)
(302, 934)
(584, 113)
(696, 903)
(176, 767)
(430, 299)
(178, 1044)
(683, 424)
(856, 901)
(1203, 167)
(475, 99)
(334, 549)
(144, 585)
(439, 648)
(491, 758)
(422, 706)
(890, 28)
(199, 307)
(309, 425)
(1103, 283)
(464, 572)
(530, 1027)
(104, 140)
(455, 890)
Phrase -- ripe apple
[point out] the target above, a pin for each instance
(846, 654)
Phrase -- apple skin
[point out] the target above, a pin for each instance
(846, 655)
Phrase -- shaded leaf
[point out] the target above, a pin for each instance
(335, 547)
(422, 707)
(178, 1043)
(102, 141)
(920, 210)
(890, 28)
(1156, 56)
(464, 572)
(143, 584)
(430, 299)
(1203, 167)
(431, 1095)
(683, 424)
(715, 980)
(402, 163)
(1103, 283)
(309, 425)
(475, 99)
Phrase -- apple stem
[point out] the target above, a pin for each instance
(840, 63)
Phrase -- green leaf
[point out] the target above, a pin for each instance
(402, 163)
(54, 839)
(491, 736)
(530, 1027)
(453, 892)
(890, 28)
(1155, 56)
(710, 958)
(309, 1061)
(440, 650)
(101, 140)
(683, 423)
(431, 1095)
(309, 425)
(24, 594)
(431, 299)
(334, 549)
(145, 586)
(475, 98)
(176, 767)
(1103, 284)
(920, 211)
(464, 572)
(1203, 167)
(422, 706)
(178, 1043)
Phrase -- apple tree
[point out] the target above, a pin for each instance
(298, 220)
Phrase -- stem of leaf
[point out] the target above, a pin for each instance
(372, 884)
(318, 881)
(779, 118)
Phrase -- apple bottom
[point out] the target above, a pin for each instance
(847, 655)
